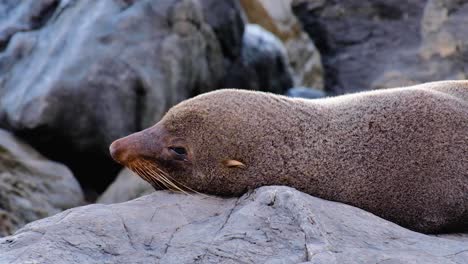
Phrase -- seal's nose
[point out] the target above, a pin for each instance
(118, 151)
(144, 144)
(130, 148)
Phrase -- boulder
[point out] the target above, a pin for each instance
(127, 186)
(269, 225)
(263, 64)
(277, 17)
(442, 53)
(75, 75)
(227, 20)
(31, 187)
(361, 41)
(377, 44)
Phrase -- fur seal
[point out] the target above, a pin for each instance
(400, 153)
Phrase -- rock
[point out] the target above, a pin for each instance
(75, 75)
(271, 225)
(226, 19)
(390, 43)
(304, 92)
(443, 51)
(361, 40)
(253, 60)
(31, 187)
(126, 186)
(263, 64)
(277, 17)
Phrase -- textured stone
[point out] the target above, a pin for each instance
(360, 41)
(277, 17)
(442, 52)
(263, 64)
(378, 44)
(31, 187)
(227, 21)
(271, 225)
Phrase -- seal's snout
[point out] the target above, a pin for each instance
(127, 149)
(139, 145)
(118, 151)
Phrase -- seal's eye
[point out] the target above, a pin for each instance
(178, 150)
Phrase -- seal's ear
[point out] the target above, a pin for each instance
(233, 164)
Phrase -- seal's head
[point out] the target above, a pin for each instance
(206, 144)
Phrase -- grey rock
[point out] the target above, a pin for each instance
(359, 40)
(277, 17)
(263, 64)
(442, 53)
(270, 225)
(126, 186)
(225, 17)
(75, 75)
(380, 44)
(31, 187)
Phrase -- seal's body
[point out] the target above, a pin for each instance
(399, 153)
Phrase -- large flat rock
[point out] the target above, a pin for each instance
(270, 225)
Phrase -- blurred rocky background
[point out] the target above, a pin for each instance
(77, 74)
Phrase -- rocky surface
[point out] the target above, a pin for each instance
(99, 70)
(263, 64)
(374, 44)
(126, 186)
(443, 51)
(277, 17)
(270, 225)
(31, 187)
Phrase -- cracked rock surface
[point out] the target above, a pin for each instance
(31, 187)
(270, 225)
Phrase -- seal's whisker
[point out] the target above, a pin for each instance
(142, 175)
(152, 178)
(152, 173)
(152, 169)
(158, 179)
(141, 172)
(172, 184)
(172, 180)
(185, 186)
(137, 171)
(164, 178)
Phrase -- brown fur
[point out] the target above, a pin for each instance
(399, 153)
